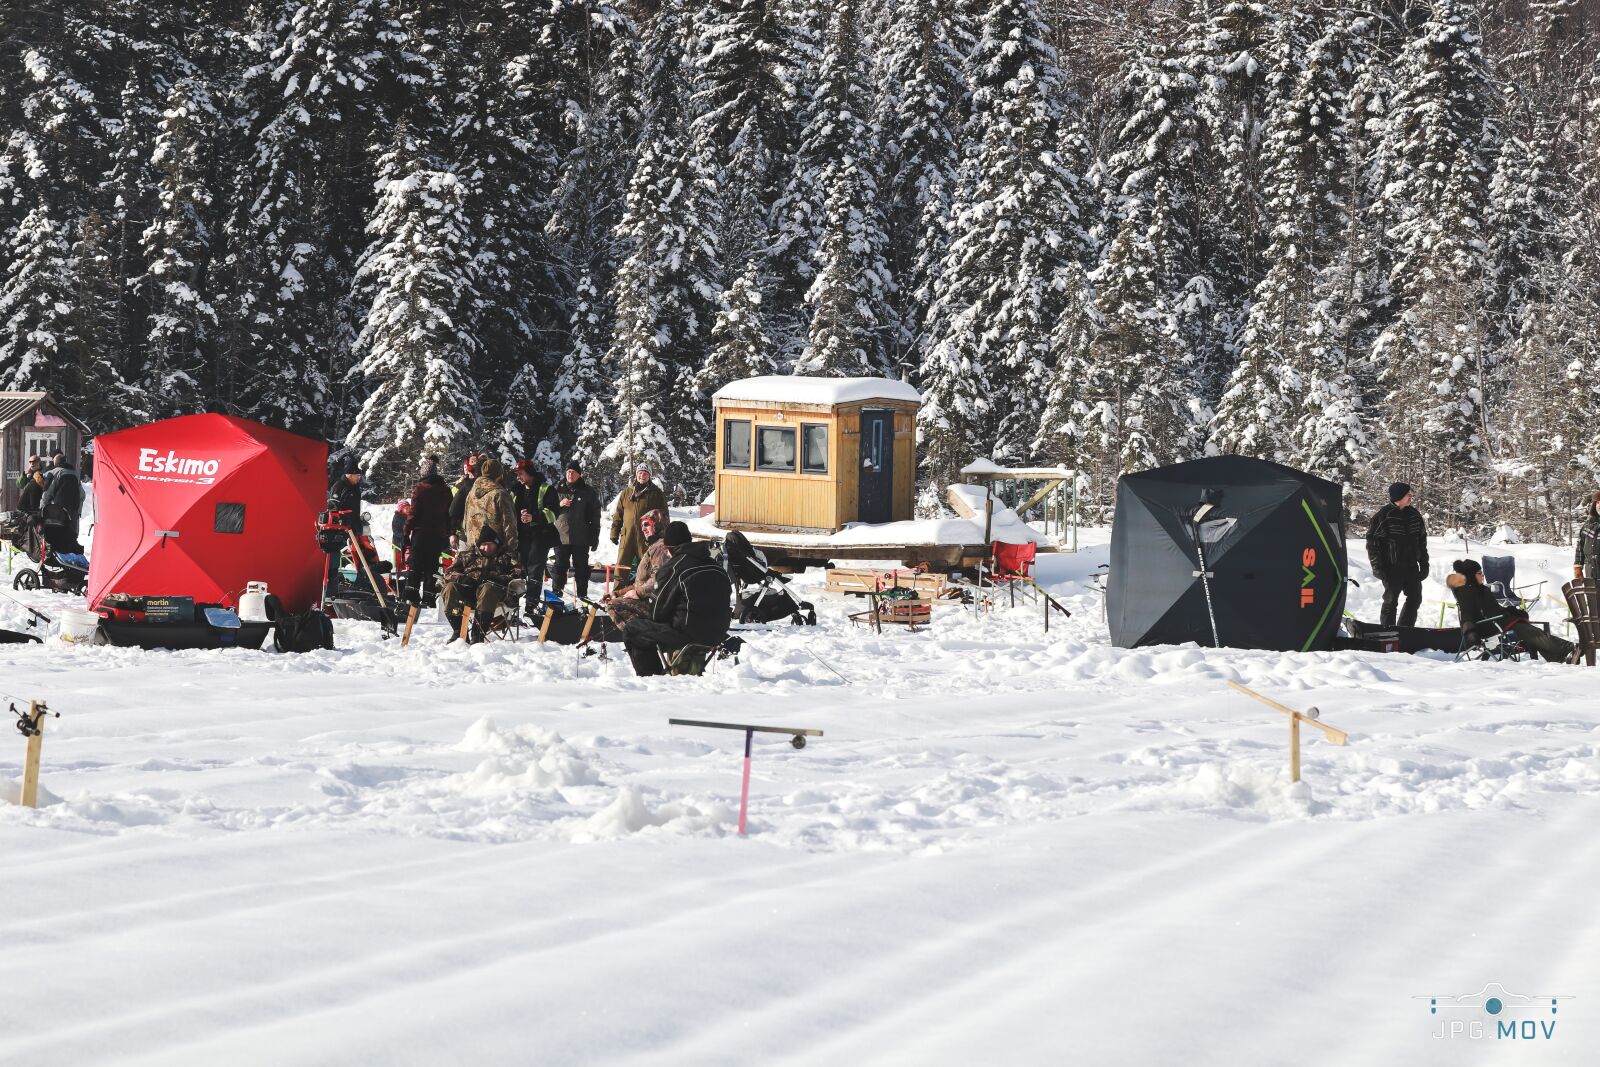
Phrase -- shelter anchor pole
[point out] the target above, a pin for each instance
(1312, 716)
(31, 726)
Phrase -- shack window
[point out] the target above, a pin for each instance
(230, 518)
(814, 448)
(736, 444)
(775, 448)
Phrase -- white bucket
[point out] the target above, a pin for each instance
(253, 604)
(78, 627)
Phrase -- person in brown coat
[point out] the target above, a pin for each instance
(635, 601)
(491, 504)
(643, 496)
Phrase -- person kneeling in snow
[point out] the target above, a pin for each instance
(1480, 612)
(693, 605)
(478, 579)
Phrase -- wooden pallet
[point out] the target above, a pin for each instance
(863, 580)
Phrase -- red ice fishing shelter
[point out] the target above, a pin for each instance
(197, 506)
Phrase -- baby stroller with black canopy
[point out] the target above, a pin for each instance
(769, 597)
(62, 572)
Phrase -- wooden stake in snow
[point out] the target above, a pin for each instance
(411, 620)
(31, 726)
(797, 739)
(466, 621)
(1311, 715)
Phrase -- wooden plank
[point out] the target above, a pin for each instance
(30, 766)
(1338, 737)
(466, 621)
(544, 626)
(411, 620)
(588, 625)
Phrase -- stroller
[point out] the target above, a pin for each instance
(61, 572)
(769, 598)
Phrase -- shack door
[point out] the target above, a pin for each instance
(877, 466)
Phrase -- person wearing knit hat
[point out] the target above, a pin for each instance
(490, 504)
(536, 531)
(578, 526)
(1397, 548)
(427, 533)
(1485, 616)
(633, 503)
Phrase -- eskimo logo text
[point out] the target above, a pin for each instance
(177, 468)
(1308, 593)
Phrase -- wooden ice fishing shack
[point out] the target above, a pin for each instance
(33, 424)
(808, 455)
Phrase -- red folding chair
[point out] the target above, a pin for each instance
(1009, 565)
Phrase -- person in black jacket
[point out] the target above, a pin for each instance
(32, 491)
(693, 605)
(1397, 548)
(62, 504)
(458, 504)
(1586, 560)
(428, 529)
(344, 495)
(1485, 616)
(578, 526)
(535, 502)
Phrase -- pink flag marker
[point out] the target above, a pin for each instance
(797, 738)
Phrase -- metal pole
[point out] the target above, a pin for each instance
(744, 792)
(1205, 583)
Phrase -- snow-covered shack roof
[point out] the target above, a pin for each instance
(803, 389)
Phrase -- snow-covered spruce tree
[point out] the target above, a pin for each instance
(88, 380)
(177, 246)
(920, 87)
(740, 347)
(1159, 145)
(582, 379)
(419, 279)
(35, 309)
(586, 207)
(1075, 375)
(1283, 348)
(1435, 150)
(1013, 226)
(326, 77)
(666, 291)
(1142, 411)
(848, 301)
(1553, 459)
(1236, 56)
(746, 114)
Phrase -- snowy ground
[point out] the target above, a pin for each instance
(1010, 847)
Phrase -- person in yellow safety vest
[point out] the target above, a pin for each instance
(536, 517)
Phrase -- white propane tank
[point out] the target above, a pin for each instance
(253, 604)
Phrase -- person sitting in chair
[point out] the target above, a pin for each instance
(1485, 616)
(693, 605)
(635, 601)
(479, 578)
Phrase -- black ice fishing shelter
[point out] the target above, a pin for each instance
(1272, 542)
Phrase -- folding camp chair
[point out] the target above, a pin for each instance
(1583, 604)
(1500, 575)
(1499, 645)
(1010, 565)
(694, 659)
